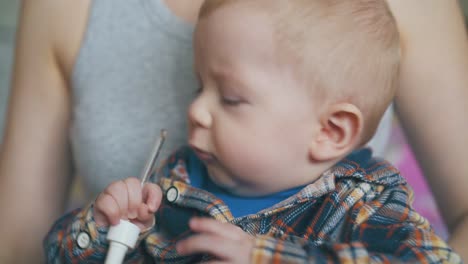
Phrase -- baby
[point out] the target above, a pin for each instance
(274, 171)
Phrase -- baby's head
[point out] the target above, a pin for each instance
(288, 87)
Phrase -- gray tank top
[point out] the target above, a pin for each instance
(133, 76)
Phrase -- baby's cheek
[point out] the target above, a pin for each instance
(250, 162)
(249, 153)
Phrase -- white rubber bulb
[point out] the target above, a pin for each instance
(121, 237)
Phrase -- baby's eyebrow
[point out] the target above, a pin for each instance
(232, 83)
(222, 74)
(231, 78)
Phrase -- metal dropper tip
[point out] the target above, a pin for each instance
(163, 133)
(153, 157)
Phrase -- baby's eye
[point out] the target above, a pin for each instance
(231, 101)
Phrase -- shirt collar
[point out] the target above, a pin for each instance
(358, 166)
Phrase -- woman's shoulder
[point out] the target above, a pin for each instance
(417, 20)
(57, 26)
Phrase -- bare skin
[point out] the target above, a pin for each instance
(431, 103)
(35, 160)
(128, 200)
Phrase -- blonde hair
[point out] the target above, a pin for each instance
(349, 50)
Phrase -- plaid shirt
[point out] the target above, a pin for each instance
(358, 211)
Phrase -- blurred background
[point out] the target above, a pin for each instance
(8, 16)
(400, 154)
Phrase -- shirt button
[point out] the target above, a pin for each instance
(172, 194)
(280, 233)
(83, 240)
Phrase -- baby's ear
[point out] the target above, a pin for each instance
(340, 131)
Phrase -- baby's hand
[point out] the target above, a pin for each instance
(127, 200)
(226, 242)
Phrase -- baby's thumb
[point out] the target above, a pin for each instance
(152, 196)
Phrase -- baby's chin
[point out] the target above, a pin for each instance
(228, 184)
(222, 180)
(233, 187)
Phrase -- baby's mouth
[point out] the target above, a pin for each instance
(204, 155)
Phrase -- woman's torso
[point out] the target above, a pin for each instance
(133, 76)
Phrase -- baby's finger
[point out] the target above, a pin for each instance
(106, 210)
(134, 196)
(145, 218)
(214, 245)
(152, 196)
(118, 191)
(212, 226)
(144, 214)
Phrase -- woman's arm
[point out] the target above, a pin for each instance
(34, 159)
(432, 103)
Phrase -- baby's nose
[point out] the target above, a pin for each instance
(199, 114)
